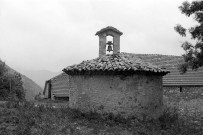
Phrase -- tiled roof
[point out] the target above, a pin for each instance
(171, 63)
(190, 78)
(166, 61)
(116, 63)
(108, 28)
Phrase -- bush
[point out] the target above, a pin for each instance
(169, 117)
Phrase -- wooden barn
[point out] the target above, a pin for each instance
(57, 87)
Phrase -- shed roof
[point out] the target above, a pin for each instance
(166, 61)
(109, 28)
(115, 63)
(61, 75)
(171, 63)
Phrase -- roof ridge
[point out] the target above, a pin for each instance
(108, 28)
(150, 54)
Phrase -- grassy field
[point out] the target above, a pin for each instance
(183, 115)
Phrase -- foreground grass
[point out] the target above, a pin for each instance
(29, 120)
(181, 117)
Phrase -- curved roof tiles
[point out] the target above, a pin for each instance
(115, 63)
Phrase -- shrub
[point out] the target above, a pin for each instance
(169, 117)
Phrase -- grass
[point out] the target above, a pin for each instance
(181, 117)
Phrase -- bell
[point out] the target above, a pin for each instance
(109, 48)
(109, 43)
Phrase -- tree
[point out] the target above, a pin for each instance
(3, 81)
(16, 87)
(11, 85)
(193, 56)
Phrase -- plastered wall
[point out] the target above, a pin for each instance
(136, 95)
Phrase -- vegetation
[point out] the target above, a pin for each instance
(28, 119)
(193, 53)
(11, 85)
(31, 88)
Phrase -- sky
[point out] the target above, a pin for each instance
(53, 34)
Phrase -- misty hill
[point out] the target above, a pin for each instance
(32, 89)
(39, 76)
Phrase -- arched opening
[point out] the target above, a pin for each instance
(109, 38)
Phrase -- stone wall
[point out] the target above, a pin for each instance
(136, 95)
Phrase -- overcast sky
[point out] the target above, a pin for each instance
(52, 34)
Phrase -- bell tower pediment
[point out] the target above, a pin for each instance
(112, 46)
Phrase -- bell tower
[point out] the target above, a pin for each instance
(111, 46)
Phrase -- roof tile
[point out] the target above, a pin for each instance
(116, 63)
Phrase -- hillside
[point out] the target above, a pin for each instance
(39, 76)
(30, 86)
